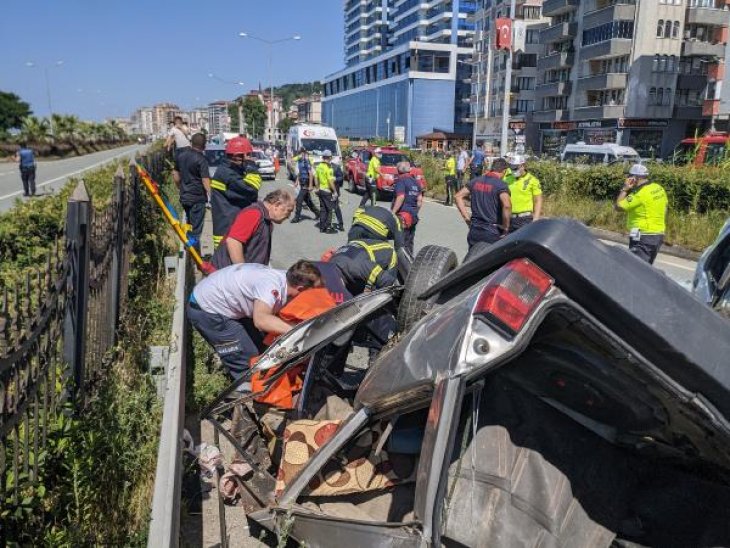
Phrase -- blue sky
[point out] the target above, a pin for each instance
(121, 55)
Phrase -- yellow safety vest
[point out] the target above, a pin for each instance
(522, 191)
(450, 166)
(373, 167)
(325, 174)
(646, 208)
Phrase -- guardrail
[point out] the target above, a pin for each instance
(165, 518)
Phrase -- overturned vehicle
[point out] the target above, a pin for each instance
(552, 391)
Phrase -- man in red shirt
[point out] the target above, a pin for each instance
(249, 238)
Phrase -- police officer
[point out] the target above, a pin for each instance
(305, 184)
(645, 204)
(327, 192)
(233, 306)
(491, 207)
(451, 176)
(249, 239)
(192, 176)
(407, 202)
(476, 163)
(235, 185)
(339, 181)
(376, 223)
(372, 175)
(26, 162)
(526, 193)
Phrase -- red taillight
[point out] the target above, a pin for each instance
(513, 293)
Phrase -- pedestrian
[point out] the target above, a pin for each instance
(249, 238)
(178, 135)
(231, 308)
(645, 204)
(26, 162)
(526, 193)
(376, 223)
(450, 175)
(327, 192)
(476, 163)
(235, 185)
(192, 177)
(491, 207)
(304, 184)
(339, 182)
(462, 162)
(407, 202)
(371, 176)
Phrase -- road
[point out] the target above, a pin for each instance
(52, 174)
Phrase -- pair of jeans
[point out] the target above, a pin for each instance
(27, 175)
(516, 223)
(195, 214)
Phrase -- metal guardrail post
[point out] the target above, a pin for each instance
(165, 518)
(78, 226)
(117, 254)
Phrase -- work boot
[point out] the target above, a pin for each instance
(341, 228)
(328, 230)
(296, 220)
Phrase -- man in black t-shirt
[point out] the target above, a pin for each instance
(192, 178)
(491, 206)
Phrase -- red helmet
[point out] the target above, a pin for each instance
(239, 145)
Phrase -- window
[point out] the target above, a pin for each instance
(608, 31)
(652, 96)
(523, 106)
(659, 96)
(675, 30)
(660, 28)
(667, 28)
(531, 12)
(532, 36)
(663, 63)
(525, 83)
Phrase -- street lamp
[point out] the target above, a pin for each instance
(31, 64)
(240, 106)
(269, 44)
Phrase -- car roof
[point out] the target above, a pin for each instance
(215, 147)
(677, 333)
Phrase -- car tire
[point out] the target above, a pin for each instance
(431, 264)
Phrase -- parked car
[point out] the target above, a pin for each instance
(711, 281)
(533, 395)
(357, 167)
(265, 164)
(215, 155)
(709, 149)
(608, 153)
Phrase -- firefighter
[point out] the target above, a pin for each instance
(304, 184)
(235, 185)
(376, 223)
(372, 175)
(407, 202)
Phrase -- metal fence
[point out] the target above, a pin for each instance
(58, 329)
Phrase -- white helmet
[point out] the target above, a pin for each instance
(327, 154)
(516, 159)
(639, 170)
(378, 151)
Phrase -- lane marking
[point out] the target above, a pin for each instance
(92, 166)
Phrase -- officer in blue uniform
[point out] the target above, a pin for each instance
(26, 160)
(407, 202)
(305, 181)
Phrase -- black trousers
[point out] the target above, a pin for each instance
(195, 214)
(305, 197)
(371, 192)
(326, 207)
(647, 246)
(27, 175)
(515, 223)
(409, 238)
(452, 187)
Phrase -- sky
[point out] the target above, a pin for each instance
(118, 56)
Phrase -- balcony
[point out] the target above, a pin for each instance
(716, 71)
(711, 107)
(611, 80)
(557, 60)
(549, 115)
(558, 32)
(688, 112)
(607, 48)
(707, 16)
(558, 7)
(692, 82)
(552, 89)
(598, 112)
(617, 12)
(694, 47)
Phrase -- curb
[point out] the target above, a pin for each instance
(667, 249)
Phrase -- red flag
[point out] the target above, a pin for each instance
(504, 33)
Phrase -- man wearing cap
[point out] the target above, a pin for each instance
(305, 184)
(372, 175)
(525, 192)
(325, 176)
(645, 204)
(407, 202)
(451, 175)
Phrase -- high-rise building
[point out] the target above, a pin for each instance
(163, 115)
(643, 74)
(405, 74)
(219, 121)
(143, 121)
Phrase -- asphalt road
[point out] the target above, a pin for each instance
(52, 174)
(439, 225)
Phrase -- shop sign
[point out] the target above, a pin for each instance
(596, 124)
(641, 123)
(517, 125)
(564, 126)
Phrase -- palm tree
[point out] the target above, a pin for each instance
(66, 128)
(35, 130)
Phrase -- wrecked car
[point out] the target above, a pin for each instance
(552, 391)
(711, 281)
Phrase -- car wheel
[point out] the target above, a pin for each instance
(431, 264)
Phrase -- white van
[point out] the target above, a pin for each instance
(608, 153)
(315, 139)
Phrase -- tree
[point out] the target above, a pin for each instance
(233, 114)
(12, 111)
(285, 124)
(35, 130)
(254, 113)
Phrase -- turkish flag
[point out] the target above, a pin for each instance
(504, 33)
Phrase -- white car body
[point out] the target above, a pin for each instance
(607, 153)
(264, 164)
(316, 139)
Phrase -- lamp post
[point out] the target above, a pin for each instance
(240, 104)
(269, 44)
(31, 64)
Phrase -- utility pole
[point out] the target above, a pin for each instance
(508, 86)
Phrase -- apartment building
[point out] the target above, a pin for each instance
(309, 109)
(219, 121)
(643, 74)
(366, 29)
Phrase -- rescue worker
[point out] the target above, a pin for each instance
(491, 207)
(327, 192)
(305, 184)
(372, 175)
(192, 177)
(231, 308)
(451, 176)
(407, 202)
(235, 185)
(525, 192)
(376, 223)
(250, 235)
(645, 204)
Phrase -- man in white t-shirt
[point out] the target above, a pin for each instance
(234, 306)
(462, 161)
(179, 135)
